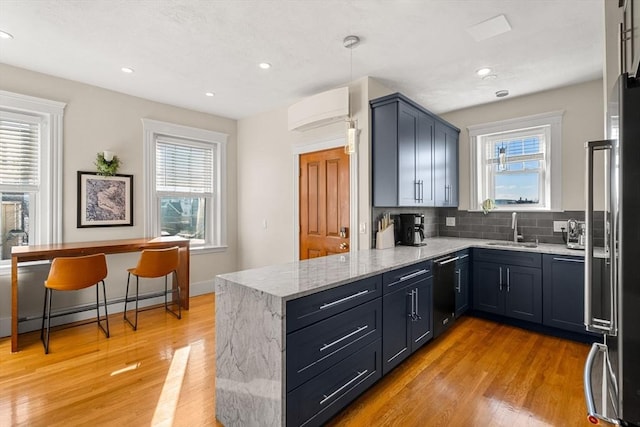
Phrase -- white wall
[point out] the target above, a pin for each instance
(583, 120)
(266, 178)
(96, 119)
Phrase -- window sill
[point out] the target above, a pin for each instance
(199, 250)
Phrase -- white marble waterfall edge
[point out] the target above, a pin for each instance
(250, 374)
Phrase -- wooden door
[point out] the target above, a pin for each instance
(324, 203)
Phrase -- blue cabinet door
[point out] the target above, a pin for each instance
(563, 286)
(487, 287)
(396, 332)
(523, 297)
(422, 323)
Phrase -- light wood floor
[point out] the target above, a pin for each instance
(478, 374)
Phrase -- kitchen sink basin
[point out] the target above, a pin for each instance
(515, 244)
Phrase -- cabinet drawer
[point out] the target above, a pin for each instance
(315, 348)
(524, 259)
(304, 311)
(316, 401)
(404, 276)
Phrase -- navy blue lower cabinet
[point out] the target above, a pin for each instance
(407, 321)
(317, 400)
(488, 293)
(563, 285)
(508, 289)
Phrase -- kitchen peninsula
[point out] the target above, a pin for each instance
(260, 313)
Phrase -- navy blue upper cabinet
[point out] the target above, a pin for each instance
(446, 165)
(405, 170)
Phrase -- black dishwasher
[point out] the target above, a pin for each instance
(444, 293)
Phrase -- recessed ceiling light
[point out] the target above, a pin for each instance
(489, 77)
(127, 70)
(5, 35)
(264, 65)
(502, 93)
(209, 94)
(483, 71)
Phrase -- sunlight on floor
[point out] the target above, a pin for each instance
(166, 407)
(125, 369)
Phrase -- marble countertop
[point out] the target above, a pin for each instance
(299, 278)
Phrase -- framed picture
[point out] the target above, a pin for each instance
(104, 201)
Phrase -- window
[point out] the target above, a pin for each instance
(517, 163)
(30, 172)
(185, 183)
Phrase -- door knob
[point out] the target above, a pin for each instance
(344, 245)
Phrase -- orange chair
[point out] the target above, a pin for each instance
(71, 274)
(155, 263)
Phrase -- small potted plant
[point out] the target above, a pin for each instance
(107, 163)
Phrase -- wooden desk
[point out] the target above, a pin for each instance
(48, 252)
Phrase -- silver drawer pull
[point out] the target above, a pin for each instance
(331, 304)
(356, 378)
(569, 260)
(360, 329)
(447, 261)
(412, 275)
(464, 256)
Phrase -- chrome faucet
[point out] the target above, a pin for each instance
(514, 225)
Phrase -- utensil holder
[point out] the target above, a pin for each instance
(385, 238)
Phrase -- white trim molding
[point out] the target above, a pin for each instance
(154, 128)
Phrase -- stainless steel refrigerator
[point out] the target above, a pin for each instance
(612, 275)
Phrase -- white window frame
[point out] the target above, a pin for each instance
(552, 189)
(46, 206)
(216, 215)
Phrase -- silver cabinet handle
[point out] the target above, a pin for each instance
(416, 191)
(508, 280)
(331, 304)
(421, 190)
(458, 285)
(351, 381)
(439, 262)
(412, 275)
(417, 313)
(412, 315)
(581, 261)
(464, 256)
(349, 335)
(500, 283)
(588, 388)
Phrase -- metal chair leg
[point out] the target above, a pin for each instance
(126, 298)
(48, 294)
(106, 314)
(44, 311)
(166, 291)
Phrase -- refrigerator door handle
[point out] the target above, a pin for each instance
(592, 414)
(592, 324)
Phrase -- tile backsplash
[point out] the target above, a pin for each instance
(494, 225)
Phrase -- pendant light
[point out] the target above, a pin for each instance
(352, 125)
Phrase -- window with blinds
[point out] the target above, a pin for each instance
(515, 168)
(19, 177)
(185, 182)
(19, 151)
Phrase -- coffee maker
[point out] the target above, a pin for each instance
(575, 234)
(410, 229)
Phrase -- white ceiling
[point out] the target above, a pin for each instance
(181, 49)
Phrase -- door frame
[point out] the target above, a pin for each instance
(321, 145)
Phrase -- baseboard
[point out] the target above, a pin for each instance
(33, 323)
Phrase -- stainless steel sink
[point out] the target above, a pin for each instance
(515, 244)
